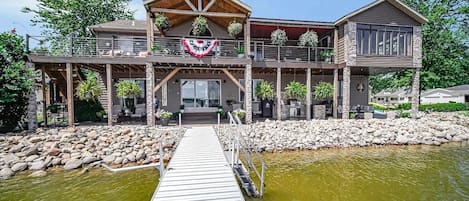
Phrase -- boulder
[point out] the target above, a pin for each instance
(109, 159)
(19, 167)
(10, 158)
(37, 165)
(53, 152)
(89, 159)
(16, 148)
(6, 173)
(31, 151)
(31, 158)
(73, 164)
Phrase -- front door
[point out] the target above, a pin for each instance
(200, 95)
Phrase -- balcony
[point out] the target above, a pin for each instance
(171, 47)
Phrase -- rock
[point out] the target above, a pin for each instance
(6, 173)
(31, 151)
(118, 160)
(89, 159)
(131, 157)
(39, 173)
(92, 135)
(79, 146)
(73, 164)
(109, 159)
(10, 158)
(19, 167)
(53, 152)
(125, 131)
(37, 165)
(36, 139)
(56, 161)
(31, 158)
(16, 148)
(140, 155)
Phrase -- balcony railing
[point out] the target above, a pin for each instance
(167, 46)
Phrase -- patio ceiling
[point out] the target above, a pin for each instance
(222, 12)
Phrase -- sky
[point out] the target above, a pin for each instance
(317, 10)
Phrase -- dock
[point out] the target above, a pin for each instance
(198, 170)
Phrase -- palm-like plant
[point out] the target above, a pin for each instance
(323, 91)
(296, 90)
(88, 90)
(265, 90)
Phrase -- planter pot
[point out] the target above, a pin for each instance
(164, 122)
(267, 106)
(319, 111)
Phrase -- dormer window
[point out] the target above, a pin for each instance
(384, 40)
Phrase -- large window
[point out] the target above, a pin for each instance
(384, 40)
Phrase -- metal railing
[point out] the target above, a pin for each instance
(243, 152)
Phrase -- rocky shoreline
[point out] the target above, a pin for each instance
(75, 148)
(431, 129)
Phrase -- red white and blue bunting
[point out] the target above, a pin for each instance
(199, 48)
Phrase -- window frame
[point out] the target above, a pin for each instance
(384, 40)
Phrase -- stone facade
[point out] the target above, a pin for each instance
(308, 93)
(248, 88)
(417, 46)
(150, 75)
(32, 105)
(346, 93)
(415, 93)
(351, 43)
(319, 112)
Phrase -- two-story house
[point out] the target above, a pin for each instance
(205, 72)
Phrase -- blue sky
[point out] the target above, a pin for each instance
(319, 10)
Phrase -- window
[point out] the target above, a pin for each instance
(384, 40)
(255, 82)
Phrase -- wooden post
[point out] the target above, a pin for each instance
(150, 75)
(346, 93)
(233, 79)
(415, 93)
(308, 94)
(44, 96)
(279, 93)
(335, 100)
(109, 93)
(166, 79)
(70, 106)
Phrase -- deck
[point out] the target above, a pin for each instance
(198, 171)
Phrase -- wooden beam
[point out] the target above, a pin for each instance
(199, 4)
(233, 79)
(209, 5)
(44, 97)
(189, 3)
(109, 93)
(195, 13)
(70, 106)
(166, 79)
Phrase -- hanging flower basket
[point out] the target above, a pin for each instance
(279, 37)
(234, 29)
(161, 22)
(199, 25)
(308, 39)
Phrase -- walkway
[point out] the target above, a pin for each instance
(198, 171)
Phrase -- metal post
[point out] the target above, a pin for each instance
(180, 119)
(161, 160)
(218, 116)
(262, 179)
(27, 43)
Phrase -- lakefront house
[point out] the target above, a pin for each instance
(202, 73)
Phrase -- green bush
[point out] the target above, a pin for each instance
(87, 110)
(16, 81)
(404, 106)
(444, 107)
(403, 114)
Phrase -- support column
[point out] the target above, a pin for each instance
(44, 96)
(279, 93)
(308, 94)
(150, 31)
(335, 100)
(415, 93)
(150, 75)
(32, 105)
(248, 73)
(346, 94)
(110, 102)
(70, 106)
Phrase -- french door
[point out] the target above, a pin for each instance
(197, 93)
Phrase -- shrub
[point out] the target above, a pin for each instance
(404, 106)
(240, 113)
(323, 91)
(403, 114)
(87, 110)
(16, 81)
(444, 107)
(265, 90)
(88, 90)
(296, 90)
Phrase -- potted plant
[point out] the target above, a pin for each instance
(327, 55)
(323, 91)
(240, 113)
(279, 37)
(156, 49)
(128, 90)
(88, 90)
(161, 22)
(240, 51)
(165, 117)
(265, 91)
(199, 26)
(235, 28)
(295, 92)
(308, 39)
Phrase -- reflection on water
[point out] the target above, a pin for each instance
(385, 173)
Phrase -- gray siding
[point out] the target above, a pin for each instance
(385, 13)
(341, 45)
(385, 61)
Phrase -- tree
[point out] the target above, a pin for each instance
(445, 43)
(89, 90)
(65, 17)
(16, 81)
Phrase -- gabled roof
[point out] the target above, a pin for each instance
(398, 4)
(439, 90)
(464, 87)
(121, 26)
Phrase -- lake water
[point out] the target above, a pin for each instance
(384, 173)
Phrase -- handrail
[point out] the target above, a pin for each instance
(238, 144)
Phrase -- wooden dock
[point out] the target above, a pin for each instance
(198, 171)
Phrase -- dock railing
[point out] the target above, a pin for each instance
(245, 154)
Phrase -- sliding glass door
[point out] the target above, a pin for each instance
(200, 93)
